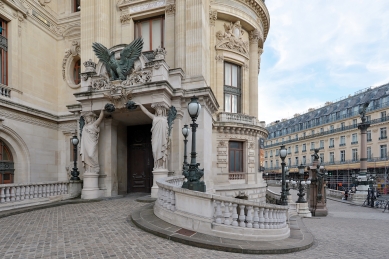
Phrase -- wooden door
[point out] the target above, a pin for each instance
(140, 159)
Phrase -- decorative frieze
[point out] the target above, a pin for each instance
(138, 78)
(125, 18)
(232, 39)
(170, 9)
(212, 16)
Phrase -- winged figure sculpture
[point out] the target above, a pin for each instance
(119, 69)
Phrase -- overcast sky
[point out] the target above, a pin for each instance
(321, 50)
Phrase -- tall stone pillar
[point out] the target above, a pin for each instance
(170, 12)
(212, 51)
(180, 38)
(362, 176)
(103, 22)
(253, 67)
(87, 31)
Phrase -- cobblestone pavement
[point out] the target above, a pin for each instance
(100, 230)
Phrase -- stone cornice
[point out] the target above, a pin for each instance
(240, 129)
(260, 9)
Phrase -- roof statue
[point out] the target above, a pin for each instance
(119, 69)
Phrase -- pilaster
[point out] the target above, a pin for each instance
(87, 31)
(212, 51)
(180, 35)
(219, 78)
(253, 74)
(170, 12)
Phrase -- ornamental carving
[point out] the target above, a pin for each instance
(71, 55)
(101, 83)
(44, 2)
(254, 36)
(170, 9)
(138, 78)
(212, 16)
(118, 96)
(219, 58)
(232, 39)
(125, 18)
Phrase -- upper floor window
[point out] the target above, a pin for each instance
(76, 72)
(383, 133)
(76, 6)
(354, 138)
(332, 142)
(368, 152)
(3, 53)
(232, 87)
(152, 32)
(342, 125)
(342, 155)
(321, 157)
(304, 147)
(332, 157)
(383, 151)
(236, 156)
(312, 145)
(383, 114)
(342, 140)
(355, 122)
(369, 135)
(321, 143)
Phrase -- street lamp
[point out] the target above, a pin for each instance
(194, 173)
(283, 190)
(185, 132)
(75, 172)
(301, 193)
(287, 181)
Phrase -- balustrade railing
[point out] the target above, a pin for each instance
(21, 192)
(5, 91)
(237, 176)
(237, 117)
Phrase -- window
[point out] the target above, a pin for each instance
(152, 32)
(383, 151)
(277, 152)
(265, 154)
(354, 138)
(271, 153)
(321, 130)
(332, 157)
(355, 154)
(271, 163)
(7, 165)
(383, 115)
(76, 72)
(321, 157)
(236, 156)
(321, 143)
(312, 132)
(296, 160)
(232, 89)
(76, 5)
(332, 128)
(312, 145)
(342, 125)
(342, 141)
(369, 135)
(304, 147)
(289, 150)
(383, 133)
(355, 123)
(368, 153)
(296, 149)
(277, 164)
(368, 118)
(3, 53)
(304, 160)
(289, 162)
(332, 142)
(342, 156)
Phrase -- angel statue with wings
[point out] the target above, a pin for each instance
(119, 69)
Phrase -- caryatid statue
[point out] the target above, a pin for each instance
(160, 132)
(89, 142)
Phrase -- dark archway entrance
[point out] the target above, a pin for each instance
(6, 164)
(140, 159)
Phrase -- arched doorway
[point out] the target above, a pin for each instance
(6, 164)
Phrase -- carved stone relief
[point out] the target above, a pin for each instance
(170, 9)
(72, 55)
(232, 39)
(212, 16)
(44, 2)
(219, 58)
(118, 96)
(125, 18)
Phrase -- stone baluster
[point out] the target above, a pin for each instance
(169, 200)
(266, 216)
(165, 201)
(44, 190)
(22, 192)
(66, 188)
(61, 188)
(234, 215)
(249, 217)
(172, 201)
(17, 198)
(39, 190)
(277, 213)
(242, 217)
(36, 191)
(271, 220)
(227, 213)
(256, 218)
(26, 192)
(2, 195)
(162, 193)
(284, 218)
(261, 218)
(12, 193)
(55, 189)
(218, 212)
(51, 186)
(31, 187)
(58, 186)
(7, 194)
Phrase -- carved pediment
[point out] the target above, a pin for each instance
(232, 39)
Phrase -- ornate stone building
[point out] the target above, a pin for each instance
(209, 48)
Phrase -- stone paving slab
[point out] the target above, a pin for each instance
(299, 239)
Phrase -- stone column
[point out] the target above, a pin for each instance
(362, 176)
(219, 67)
(87, 31)
(212, 51)
(103, 22)
(253, 67)
(180, 35)
(170, 11)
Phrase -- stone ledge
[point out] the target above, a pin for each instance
(300, 237)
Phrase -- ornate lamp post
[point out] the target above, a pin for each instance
(362, 181)
(185, 133)
(283, 190)
(194, 173)
(75, 172)
(301, 193)
(287, 181)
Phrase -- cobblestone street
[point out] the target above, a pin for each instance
(101, 230)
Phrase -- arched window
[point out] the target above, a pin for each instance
(6, 164)
(76, 72)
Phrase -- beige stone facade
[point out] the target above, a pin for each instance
(49, 40)
(334, 129)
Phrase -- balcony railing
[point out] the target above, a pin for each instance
(237, 118)
(354, 142)
(5, 91)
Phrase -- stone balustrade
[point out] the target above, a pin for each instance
(339, 194)
(29, 194)
(237, 118)
(219, 215)
(5, 91)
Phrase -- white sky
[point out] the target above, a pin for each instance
(321, 50)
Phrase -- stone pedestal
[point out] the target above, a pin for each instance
(157, 174)
(303, 210)
(91, 187)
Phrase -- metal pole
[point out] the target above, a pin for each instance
(283, 190)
